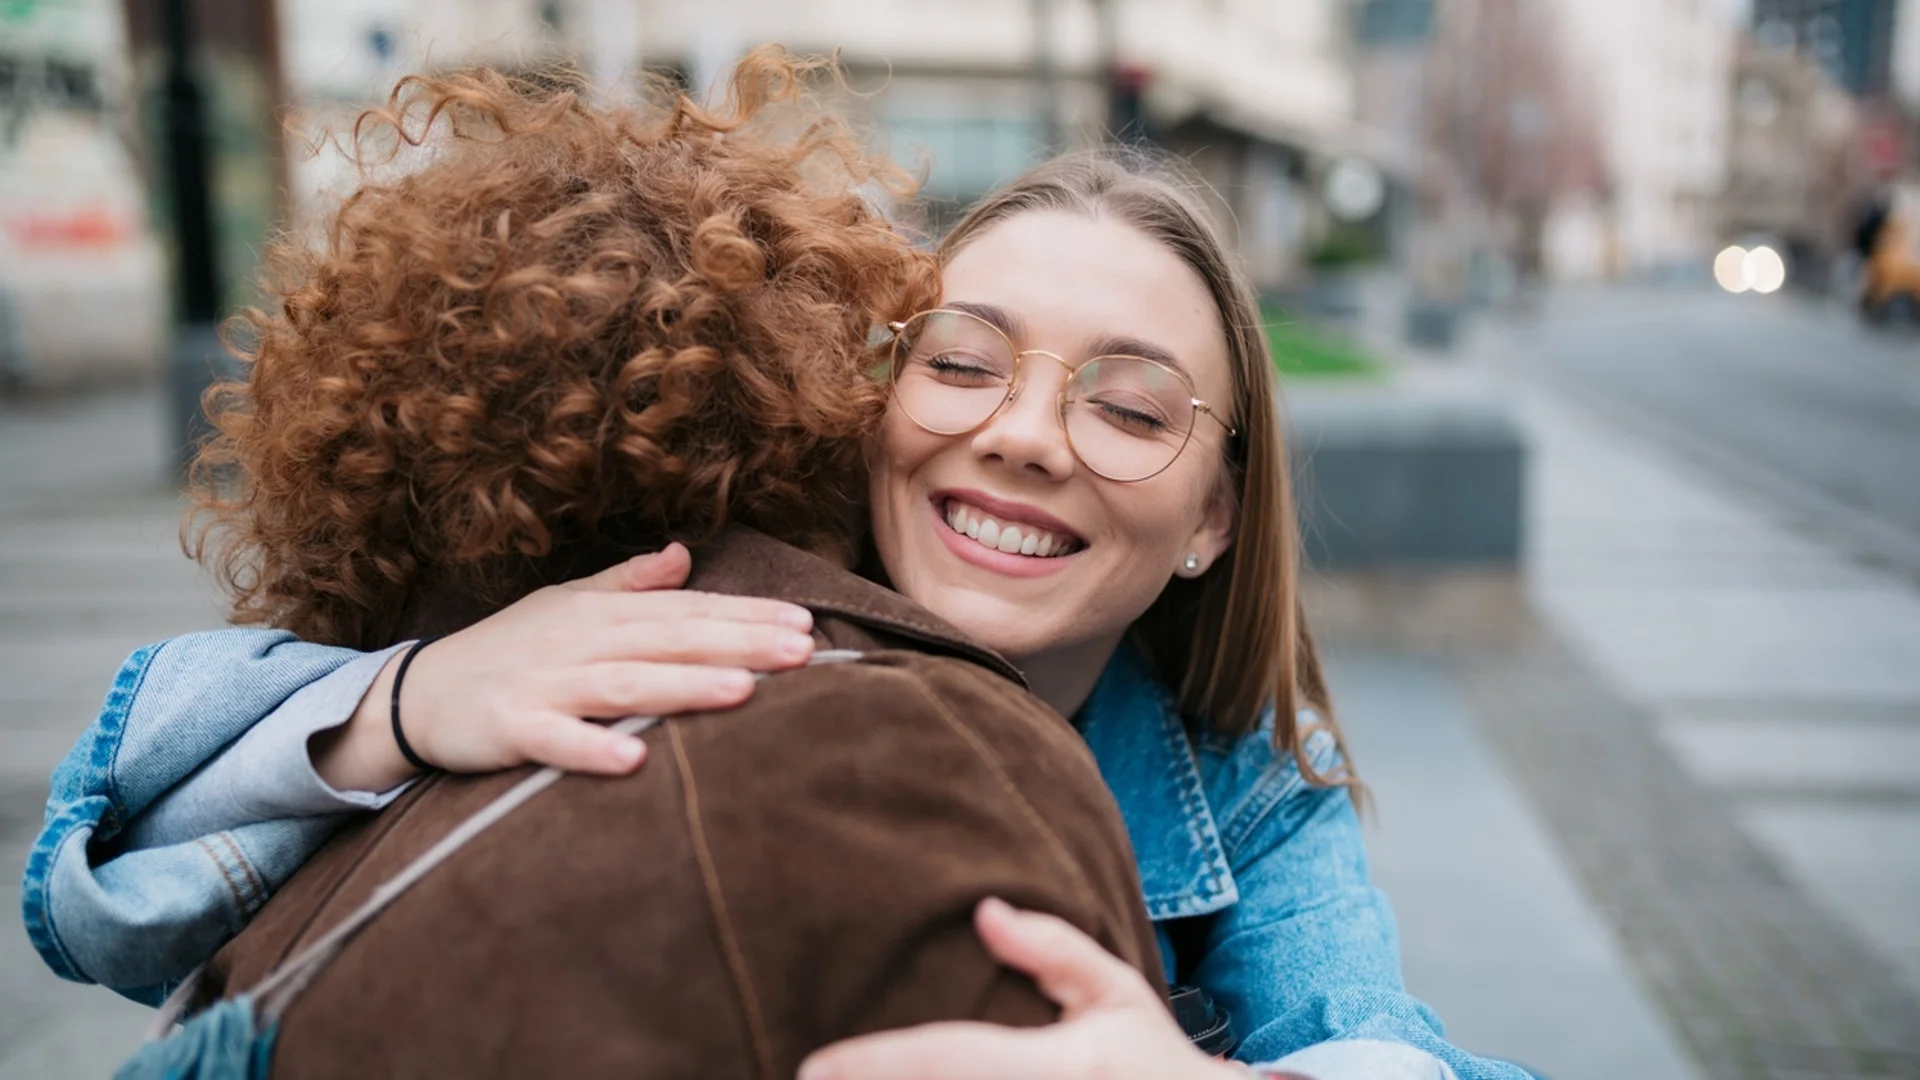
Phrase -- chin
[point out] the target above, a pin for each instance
(1008, 629)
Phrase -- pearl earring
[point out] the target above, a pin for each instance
(1192, 563)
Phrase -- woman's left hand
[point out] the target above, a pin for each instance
(1112, 1026)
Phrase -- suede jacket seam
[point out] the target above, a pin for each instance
(717, 907)
(984, 751)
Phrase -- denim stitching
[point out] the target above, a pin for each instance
(256, 889)
(226, 875)
(1198, 824)
(1277, 779)
(1321, 750)
(75, 823)
(89, 808)
(112, 725)
(1193, 802)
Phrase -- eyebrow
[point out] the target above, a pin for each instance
(1145, 350)
(1004, 321)
(998, 317)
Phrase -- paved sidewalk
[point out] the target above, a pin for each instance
(90, 569)
(1497, 934)
(1763, 858)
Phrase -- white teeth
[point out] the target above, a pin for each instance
(1011, 539)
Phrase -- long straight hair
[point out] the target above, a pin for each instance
(1233, 640)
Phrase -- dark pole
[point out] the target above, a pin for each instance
(1107, 56)
(1046, 76)
(196, 348)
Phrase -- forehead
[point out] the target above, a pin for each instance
(1071, 282)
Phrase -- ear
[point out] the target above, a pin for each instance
(1213, 536)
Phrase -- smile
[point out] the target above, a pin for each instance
(1011, 537)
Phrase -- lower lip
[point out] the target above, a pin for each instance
(970, 550)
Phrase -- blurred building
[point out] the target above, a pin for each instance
(1905, 60)
(1788, 167)
(1659, 75)
(74, 235)
(1562, 140)
(1851, 40)
(1827, 110)
(1258, 95)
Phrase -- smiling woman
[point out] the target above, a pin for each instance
(1084, 257)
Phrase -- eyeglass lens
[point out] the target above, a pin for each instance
(1126, 417)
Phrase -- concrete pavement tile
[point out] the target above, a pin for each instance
(1818, 753)
(1861, 862)
(1691, 570)
(1660, 643)
(1497, 936)
(1725, 937)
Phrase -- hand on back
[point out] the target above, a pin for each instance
(525, 684)
(1112, 1024)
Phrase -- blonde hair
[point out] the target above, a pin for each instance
(1235, 639)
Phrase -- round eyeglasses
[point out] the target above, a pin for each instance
(1126, 417)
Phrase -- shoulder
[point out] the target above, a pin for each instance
(899, 695)
(1258, 791)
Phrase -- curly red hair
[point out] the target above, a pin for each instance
(557, 316)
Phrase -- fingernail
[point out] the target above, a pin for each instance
(995, 907)
(795, 647)
(628, 751)
(736, 683)
(817, 1069)
(797, 617)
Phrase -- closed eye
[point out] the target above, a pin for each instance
(1131, 420)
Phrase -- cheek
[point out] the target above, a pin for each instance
(899, 449)
(1161, 515)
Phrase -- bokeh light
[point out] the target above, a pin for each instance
(1730, 269)
(1759, 269)
(1765, 270)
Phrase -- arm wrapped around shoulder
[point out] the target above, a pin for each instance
(790, 873)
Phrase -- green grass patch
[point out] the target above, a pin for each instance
(1309, 352)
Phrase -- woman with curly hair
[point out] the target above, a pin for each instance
(1076, 460)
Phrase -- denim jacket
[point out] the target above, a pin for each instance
(1264, 875)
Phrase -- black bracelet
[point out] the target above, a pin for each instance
(400, 737)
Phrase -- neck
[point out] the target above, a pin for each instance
(1064, 677)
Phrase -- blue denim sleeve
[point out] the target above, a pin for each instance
(1310, 953)
(139, 921)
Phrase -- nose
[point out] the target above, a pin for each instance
(1027, 433)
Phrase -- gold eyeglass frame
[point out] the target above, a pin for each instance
(898, 329)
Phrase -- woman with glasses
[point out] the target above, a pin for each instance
(1081, 466)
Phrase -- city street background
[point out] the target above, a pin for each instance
(1599, 325)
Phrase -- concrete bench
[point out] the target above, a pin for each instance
(1394, 477)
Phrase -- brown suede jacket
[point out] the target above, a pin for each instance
(777, 877)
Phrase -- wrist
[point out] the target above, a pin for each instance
(361, 755)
